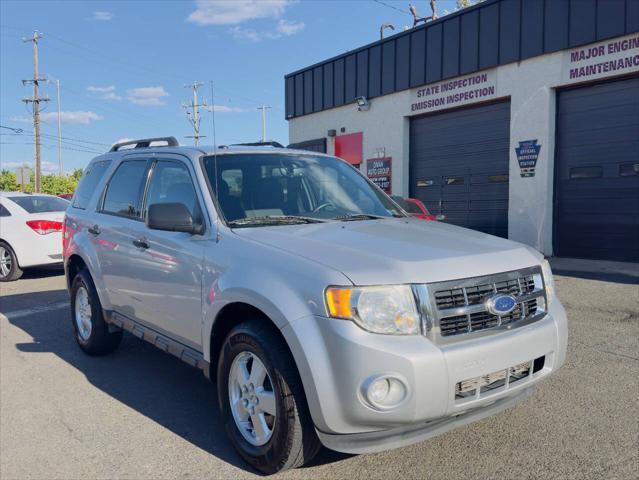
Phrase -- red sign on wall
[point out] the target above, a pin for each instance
(350, 147)
(380, 171)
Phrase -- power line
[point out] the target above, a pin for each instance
(49, 146)
(139, 68)
(51, 138)
(393, 7)
(17, 131)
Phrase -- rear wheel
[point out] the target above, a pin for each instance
(91, 331)
(9, 268)
(262, 400)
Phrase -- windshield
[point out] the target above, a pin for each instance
(275, 188)
(38, 204)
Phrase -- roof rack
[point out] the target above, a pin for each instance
(145, 143)
(259, 144)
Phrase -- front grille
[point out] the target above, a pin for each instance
(459, 305)
(476, 294)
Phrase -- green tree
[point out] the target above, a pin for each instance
(461, 4)
(8, 181)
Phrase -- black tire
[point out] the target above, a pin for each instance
(100, 341)
(294, 441)
(15, 272)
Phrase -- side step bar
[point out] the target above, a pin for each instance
(164, 343)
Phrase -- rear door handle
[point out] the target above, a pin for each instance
(141, 243)
(94, 230)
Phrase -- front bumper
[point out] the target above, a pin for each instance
(335, 358)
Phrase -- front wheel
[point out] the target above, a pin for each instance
(262, 401)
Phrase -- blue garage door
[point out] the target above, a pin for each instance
(459, 165)
(597, 172)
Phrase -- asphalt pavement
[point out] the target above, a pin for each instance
(142, 414)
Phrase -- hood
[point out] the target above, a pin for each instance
(390, 251)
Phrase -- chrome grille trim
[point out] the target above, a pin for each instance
(454, 310)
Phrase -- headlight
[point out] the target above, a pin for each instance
(389, 310)
(549, 281)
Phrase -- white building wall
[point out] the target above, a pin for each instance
(531, 86)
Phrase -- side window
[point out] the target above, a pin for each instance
(4, 212)
(124, 191)
(171, 183)
(88, 183)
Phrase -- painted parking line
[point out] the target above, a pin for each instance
(30, 311)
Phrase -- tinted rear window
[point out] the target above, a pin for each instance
(88, 183)
(37, 204)
(124, 192)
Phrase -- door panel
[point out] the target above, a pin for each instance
(169, 270)
(169, 283)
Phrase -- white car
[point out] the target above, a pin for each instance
(30, 232)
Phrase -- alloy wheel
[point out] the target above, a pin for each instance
(252, 398)
(83, 313)
(5, 262)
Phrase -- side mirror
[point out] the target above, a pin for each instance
(440, 218)
(172, 217)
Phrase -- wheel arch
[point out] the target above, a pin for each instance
(73, 265)
(6, 242)
(229, 316)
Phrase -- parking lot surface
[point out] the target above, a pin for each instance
(140, 413)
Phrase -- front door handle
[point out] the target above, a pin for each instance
(141, 243)
(94, 230)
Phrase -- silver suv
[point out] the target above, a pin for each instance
(324, 313)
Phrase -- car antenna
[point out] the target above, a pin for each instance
(217, 213)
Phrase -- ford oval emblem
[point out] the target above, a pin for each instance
(501, 304)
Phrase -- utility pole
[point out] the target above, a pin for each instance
(57, 84)
(35, 100)
(263, 108)
(193, 115)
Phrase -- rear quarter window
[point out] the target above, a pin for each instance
(88, 183)
(40, 204)
(4, 212)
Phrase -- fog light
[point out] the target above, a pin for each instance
(384, 393)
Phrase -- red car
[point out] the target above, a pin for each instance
(415, 208)
(66, 196)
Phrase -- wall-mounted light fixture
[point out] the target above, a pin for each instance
(362, 104)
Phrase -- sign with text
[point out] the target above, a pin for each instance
(23, 176)
(614, 57)
(380, 171)
(453, 93)
(527, 155)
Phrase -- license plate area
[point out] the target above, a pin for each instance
(498, 381)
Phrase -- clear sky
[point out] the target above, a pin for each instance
(123, 66)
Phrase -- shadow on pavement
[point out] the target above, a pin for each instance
(605, 271)
(42, 272)
(155, 384)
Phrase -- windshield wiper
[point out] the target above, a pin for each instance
(274, 220)
(358, 216)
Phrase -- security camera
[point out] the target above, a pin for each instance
(362, 104)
